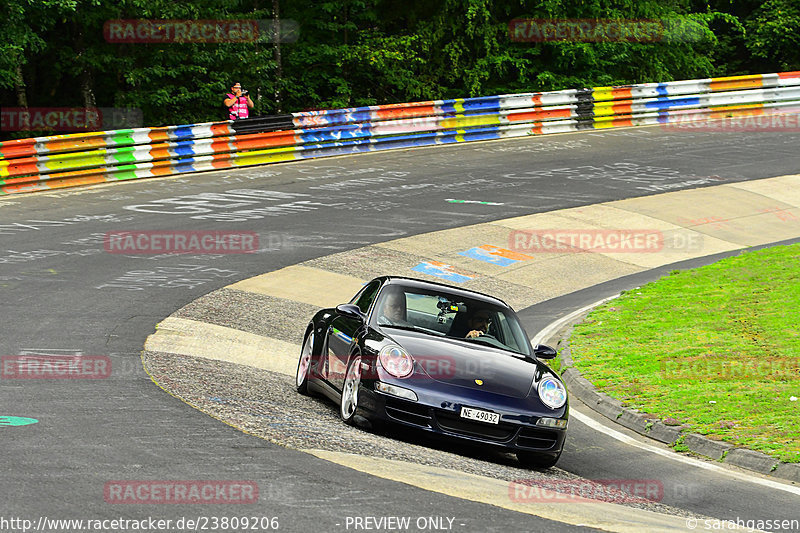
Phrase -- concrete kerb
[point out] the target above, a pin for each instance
(710, 448)
(654, 428)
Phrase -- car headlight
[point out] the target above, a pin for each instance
(552, 392)
(396, 361)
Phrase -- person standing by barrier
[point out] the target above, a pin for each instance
(238, 102)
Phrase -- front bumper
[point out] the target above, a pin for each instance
(507, 435)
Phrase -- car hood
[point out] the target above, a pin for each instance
(465, 364)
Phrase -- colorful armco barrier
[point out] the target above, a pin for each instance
(44, 163)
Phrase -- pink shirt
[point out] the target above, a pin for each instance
(239, 108)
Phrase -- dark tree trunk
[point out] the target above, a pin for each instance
(86, 76)
(87, 88)
(276, 29)
(19, 87)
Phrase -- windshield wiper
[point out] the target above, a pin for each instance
(412, 328)
(494, 343)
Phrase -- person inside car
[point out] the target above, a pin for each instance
(478, 324)
(393, 310)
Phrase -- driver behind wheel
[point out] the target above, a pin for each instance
(478, 324)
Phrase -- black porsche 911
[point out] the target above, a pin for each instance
(445, 360)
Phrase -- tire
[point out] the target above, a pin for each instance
(304, 364)
(537, 460)
(348, 405)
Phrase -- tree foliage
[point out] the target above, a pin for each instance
(361, 52)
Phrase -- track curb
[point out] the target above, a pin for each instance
(653, 428)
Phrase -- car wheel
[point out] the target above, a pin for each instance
(537, 460)
(352, 381)
(304, 365)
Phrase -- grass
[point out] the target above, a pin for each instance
(715, 350)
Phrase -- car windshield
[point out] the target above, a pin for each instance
(447, 315)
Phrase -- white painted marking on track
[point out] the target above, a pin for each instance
(669, 454)
(597, 426)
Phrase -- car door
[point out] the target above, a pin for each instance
(343, 334)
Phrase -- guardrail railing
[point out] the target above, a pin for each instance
(44, 163)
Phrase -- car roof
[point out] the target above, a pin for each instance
(424, 284)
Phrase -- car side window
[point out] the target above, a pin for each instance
(504, 333)
(365, 298)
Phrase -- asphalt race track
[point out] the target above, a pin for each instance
(64, 295)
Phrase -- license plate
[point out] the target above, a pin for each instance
(480, 416)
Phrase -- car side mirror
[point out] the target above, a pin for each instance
(350, 311)
(543, 351)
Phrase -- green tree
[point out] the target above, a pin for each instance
(774, 31)
(26, 24)
(348, 53)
